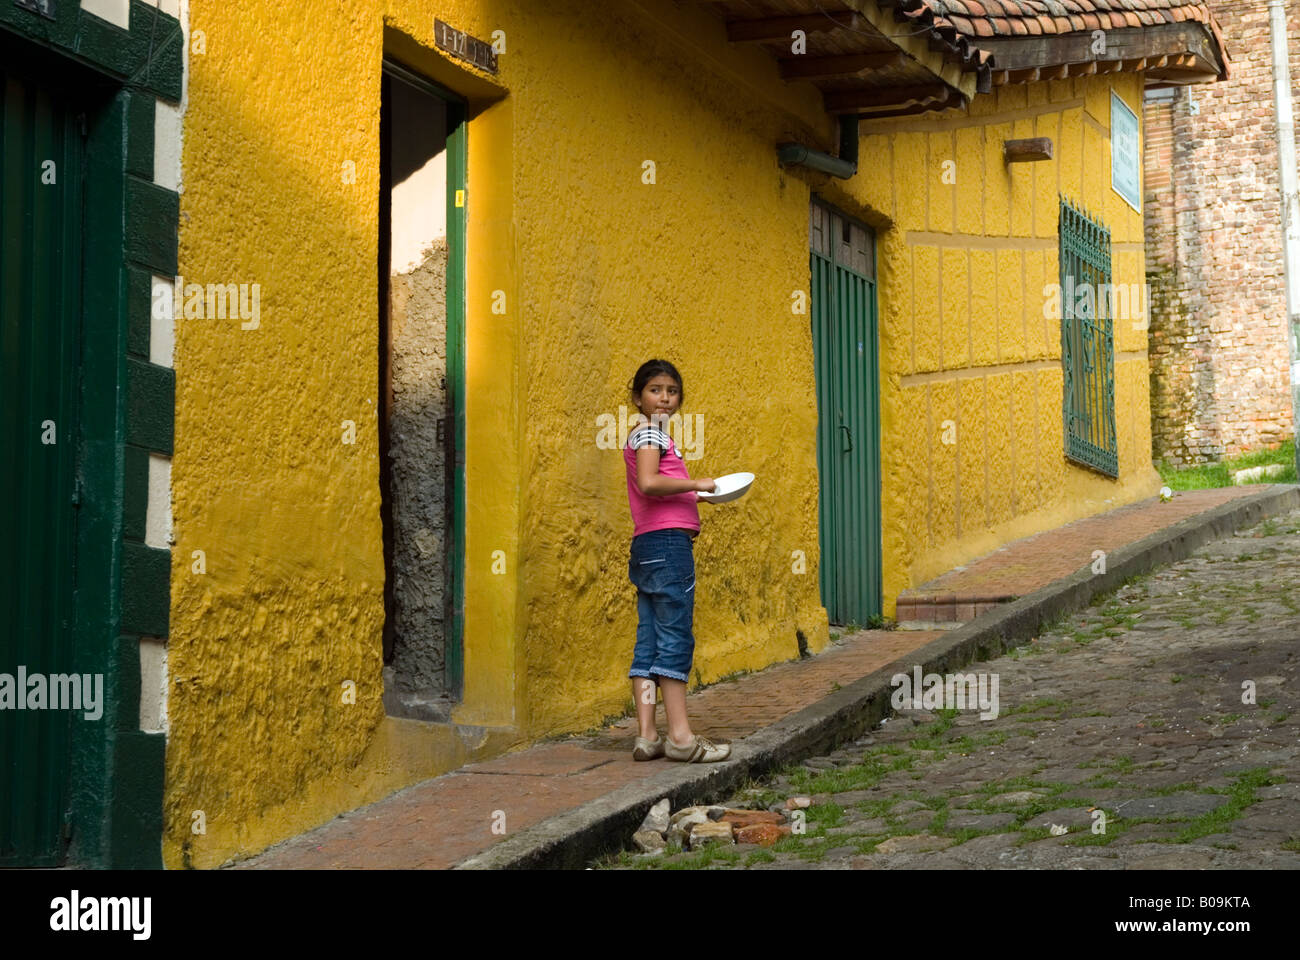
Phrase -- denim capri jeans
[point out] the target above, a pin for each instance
(662, 567)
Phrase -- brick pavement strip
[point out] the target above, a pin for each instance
(1027, 565)
(1157, 728)
(562, 806)
(442, 821)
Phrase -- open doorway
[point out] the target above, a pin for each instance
(421, 395)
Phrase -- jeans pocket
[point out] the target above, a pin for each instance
(647, 569)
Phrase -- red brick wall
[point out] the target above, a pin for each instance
(1219, 358)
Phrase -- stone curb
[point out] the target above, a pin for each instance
(571, 840)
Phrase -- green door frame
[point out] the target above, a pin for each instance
(846, 361)
(126, 403)
(40, 350)
(457, 204)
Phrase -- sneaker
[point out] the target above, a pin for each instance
(648, 749)
(699, 750)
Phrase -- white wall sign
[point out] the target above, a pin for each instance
(1125, 153)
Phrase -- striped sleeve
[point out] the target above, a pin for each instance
(648, 436)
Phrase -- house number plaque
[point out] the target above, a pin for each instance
(465, 47)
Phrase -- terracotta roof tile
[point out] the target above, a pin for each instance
(961, 23)
(947, 23)
(986, 18)
(958, 25)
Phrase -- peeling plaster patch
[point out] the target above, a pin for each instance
(472, 737)
(428, 543)
(158, 512)
(117, 12)
(153, 685)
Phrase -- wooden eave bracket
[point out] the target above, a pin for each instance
(864, 16)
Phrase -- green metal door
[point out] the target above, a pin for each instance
(846, 364)
(40, 282)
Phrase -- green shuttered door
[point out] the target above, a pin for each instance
(40, 276)
(845, 355)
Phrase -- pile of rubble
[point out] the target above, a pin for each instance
(692, 827)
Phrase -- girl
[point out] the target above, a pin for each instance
(661, 495)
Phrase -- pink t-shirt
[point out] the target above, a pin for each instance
(659, 513)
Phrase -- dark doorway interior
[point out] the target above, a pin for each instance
(417, 416)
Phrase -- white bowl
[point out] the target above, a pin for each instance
(730, 487)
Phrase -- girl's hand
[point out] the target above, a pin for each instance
(705, 485)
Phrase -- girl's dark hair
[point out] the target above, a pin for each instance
(651, 369)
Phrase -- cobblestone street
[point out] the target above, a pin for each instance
(1126, 737)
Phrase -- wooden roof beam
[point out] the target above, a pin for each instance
(779, 28)
(1130, 44)
(846, 65)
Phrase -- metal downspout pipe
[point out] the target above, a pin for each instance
(843, 166)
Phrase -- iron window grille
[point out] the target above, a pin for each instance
(1087, 342)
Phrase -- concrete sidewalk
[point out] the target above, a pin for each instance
(559, 803)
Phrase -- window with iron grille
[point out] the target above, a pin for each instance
(1087, 342)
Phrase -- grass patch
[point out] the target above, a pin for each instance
(1033, 706)
(1240, 796)
(826, 814)
(1114, 829)
(1206, 475)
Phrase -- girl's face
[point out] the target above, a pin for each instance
(660, 397)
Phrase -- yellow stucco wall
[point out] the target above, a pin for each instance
(600, 272)
(967, 245)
